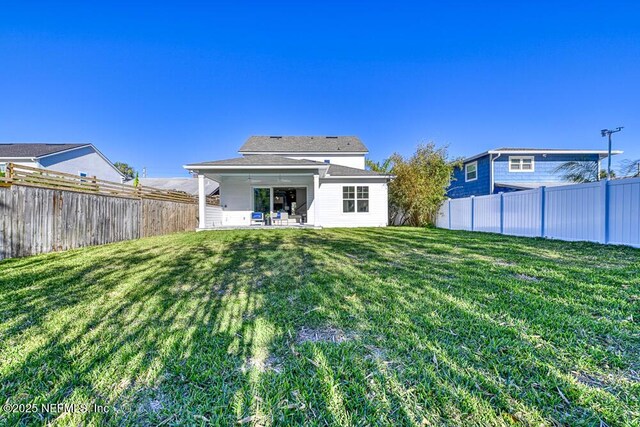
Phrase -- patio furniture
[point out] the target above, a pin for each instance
(283, 216)
(278, 218)
(257, 218)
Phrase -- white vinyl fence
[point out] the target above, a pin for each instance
(603, 212)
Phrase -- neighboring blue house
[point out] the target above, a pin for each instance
(76, 159)
(513, 169)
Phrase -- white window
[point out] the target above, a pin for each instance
(363, 199)
(521, 164)
(471, 171)
(348, 199)
(3, 168)
(355, 199)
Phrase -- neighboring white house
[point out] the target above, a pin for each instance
(76, 159)
(316, 180)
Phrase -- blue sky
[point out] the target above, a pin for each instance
(160, 85)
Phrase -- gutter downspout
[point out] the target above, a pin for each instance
(491, 159)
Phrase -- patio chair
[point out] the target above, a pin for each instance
(257, 218)
(277, 218)
(283, 216)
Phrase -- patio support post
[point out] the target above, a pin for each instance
(316, 191)
(202, 203)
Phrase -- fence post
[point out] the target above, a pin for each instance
(501, 212)
(605, 213)
(472, 213)
(8, 173)
(449, 207)
(542, 210)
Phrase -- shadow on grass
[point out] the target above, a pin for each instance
(199, 328)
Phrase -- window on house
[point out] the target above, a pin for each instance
(348, 199)
(521, 164)
(363, 199)
(327, 161)
(355, 199)
(471, 171)
(3, 169)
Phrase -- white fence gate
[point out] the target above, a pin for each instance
(604, 212)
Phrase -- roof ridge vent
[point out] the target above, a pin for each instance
(331, 137)
(275, 137)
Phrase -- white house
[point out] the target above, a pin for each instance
(315, 180)
(76, 159)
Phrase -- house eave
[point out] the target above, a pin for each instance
(602, 153)
(386, 177)
(303, 153)
(254, 167)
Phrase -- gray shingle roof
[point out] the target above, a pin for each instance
(188, 185)
(259, 160)
(339, 170)
(33, 149)
(550, 150)
(303, 144)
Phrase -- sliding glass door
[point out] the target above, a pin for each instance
(262, 200)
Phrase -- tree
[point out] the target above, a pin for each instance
(420, 183)
(128, 171)
(381, 167)
(136, 181)
(631, 168)
(580, 171)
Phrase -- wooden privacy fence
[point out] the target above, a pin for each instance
(44, 178)
(44, 211)
(604, 212)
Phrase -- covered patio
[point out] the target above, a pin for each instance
(283, 190)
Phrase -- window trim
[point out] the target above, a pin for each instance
(356, 199)
(349, 198)
(466, 171)
(520, 158)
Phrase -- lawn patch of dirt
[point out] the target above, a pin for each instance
(324, 334)
(527, 278)
(270, 364)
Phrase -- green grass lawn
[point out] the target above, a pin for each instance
(400, 326)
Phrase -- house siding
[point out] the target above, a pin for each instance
(544, 172)
(352, 161)
(544, 167)
(236, 200)
(236, 197)
(330, 199)
(479, 187)
(83, 159)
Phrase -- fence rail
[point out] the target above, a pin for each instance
(43, 211)
(43, 178)
(603, 212)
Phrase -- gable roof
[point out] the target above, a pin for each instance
(344, 171)
(257, 160)
(34, 150)
(511, 150)
(303, 144)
